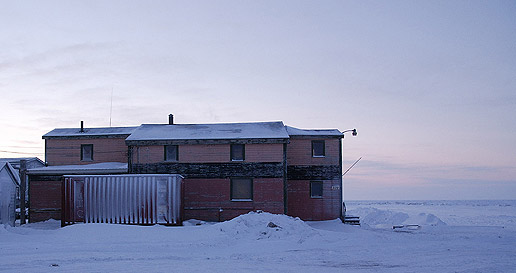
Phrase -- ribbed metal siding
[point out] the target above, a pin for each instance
(122, 199)
(7, 200)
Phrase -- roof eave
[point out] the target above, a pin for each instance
(207, 141)
(79, 172)
(87, 136)
(316, 136)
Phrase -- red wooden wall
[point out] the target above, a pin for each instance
(209, 153)
(68, 151)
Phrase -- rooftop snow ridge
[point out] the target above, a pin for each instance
(252, 130)
(101, 131)
(95, 168)
(292, 131)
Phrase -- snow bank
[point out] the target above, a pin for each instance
(194, 222)
(425, 219)
(499, 213)
(3, 230)
(48, 224)
(377, 218)
(264, 225)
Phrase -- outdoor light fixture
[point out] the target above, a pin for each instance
(353, 132)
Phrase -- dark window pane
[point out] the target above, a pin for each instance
(316, 189)
(87, 152)
(237, 152)
(171, 153)
(242, 189)
(318, 148)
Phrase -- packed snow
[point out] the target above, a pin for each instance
(275, 130)
(65, 132)
(110, 167)
(479, 237)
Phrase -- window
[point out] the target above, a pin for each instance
(316, 189)
(318, 148)
(171, 153)
(237, 152)
(241, 189)
(87, 152)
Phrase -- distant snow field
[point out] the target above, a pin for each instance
(443, 236)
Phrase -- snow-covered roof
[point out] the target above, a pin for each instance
(12, 172)
(97, 168)
(15, 161)
(76, 132)
(292, 131)
(256, 130)
(18, 159)
(214, 131)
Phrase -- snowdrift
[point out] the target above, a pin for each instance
(264, 225)
(377, 218)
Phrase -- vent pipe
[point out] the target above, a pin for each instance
(82, 126)
(170, 119)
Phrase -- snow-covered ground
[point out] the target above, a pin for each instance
(453, 236)
(452, 212)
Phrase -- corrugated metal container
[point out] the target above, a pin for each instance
(122, 199)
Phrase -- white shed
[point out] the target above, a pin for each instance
(9, 186)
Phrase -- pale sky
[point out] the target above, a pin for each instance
(429, 85)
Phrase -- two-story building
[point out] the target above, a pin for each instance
(314, 173)
(228, 168)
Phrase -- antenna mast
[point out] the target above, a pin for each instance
(352, 165)
(111, 107)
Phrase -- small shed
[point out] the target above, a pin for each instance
(9, 187)
(30, 162)
(45, 186)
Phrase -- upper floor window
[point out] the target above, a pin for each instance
(241, 189)
(318, 148)
(316, 189)
(86, 152)
(237, 152)
(171, 153)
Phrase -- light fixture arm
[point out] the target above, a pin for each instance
(353, 132)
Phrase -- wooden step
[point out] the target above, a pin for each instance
(351, 220)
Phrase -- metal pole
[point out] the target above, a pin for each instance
(342, 177)
(23, 186)
(353, 165)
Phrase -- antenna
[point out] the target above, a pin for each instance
(111, 107)
(352, 165)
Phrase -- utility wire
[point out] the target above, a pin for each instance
(2, 151)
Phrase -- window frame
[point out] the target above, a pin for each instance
(311, 189)
(165, 158)
(323, 148)
(232, 181)
(231, 152)
(82, 152)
